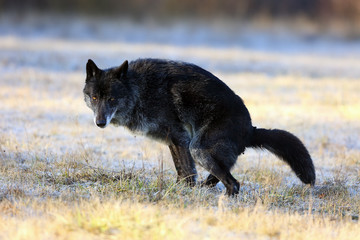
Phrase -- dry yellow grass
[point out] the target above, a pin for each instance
(62, 178)
(125, 219)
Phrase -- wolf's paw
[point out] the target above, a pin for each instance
(233, 189)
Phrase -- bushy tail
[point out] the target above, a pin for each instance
(287, 147)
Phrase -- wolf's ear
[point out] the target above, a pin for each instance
(91, 69)
(121, 71)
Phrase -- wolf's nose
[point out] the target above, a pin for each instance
(101, 123)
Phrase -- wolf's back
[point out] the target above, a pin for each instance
(287, 147)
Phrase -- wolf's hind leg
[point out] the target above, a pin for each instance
(184, 164)
(217, 160)
(210, 181)
(218, 172)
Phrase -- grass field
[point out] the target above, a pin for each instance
(63, 178)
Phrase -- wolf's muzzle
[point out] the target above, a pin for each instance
(101, 123)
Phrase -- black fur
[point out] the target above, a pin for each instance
(197, 115)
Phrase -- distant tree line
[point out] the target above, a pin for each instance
(317, 10)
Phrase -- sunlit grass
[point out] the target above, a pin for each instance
(129, 219)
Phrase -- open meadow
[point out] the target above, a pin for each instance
(61, 177)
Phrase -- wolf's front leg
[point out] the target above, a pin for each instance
(184, 164)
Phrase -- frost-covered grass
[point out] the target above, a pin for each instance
(63, 178)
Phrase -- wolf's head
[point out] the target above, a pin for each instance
(106, 91)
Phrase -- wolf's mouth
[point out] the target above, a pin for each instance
(104, 121)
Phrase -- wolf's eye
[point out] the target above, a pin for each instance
(94, 98)
(112, 99)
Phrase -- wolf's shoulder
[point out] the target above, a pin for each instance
(168, 67)
(146, 63)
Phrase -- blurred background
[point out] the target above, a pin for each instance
(319, 11)
(266, 36)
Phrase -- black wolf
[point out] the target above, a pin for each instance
(197, 115)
